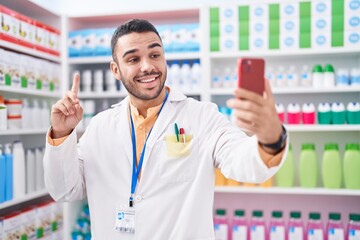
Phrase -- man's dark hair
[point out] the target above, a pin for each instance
(133, 25)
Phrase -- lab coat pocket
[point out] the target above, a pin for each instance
(180, 162)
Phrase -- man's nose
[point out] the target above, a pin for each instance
(147, 65)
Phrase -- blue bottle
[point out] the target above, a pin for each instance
(8, 173)
(2, 176)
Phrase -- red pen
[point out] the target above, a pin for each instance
(182, 133)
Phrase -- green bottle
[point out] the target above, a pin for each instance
(308, 169)
(331, 166)
(352, 166)
(285, 176)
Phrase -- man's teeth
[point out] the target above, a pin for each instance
(147, 80)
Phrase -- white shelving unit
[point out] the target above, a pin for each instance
(27, 197)
(35, 131)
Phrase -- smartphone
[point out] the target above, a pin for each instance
(251, 74)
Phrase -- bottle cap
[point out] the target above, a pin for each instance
(317, 68)
(220, 212)
(334, 216)
(331, 146)
(295, 215)
(314, 216)
(329, 68)
(352, 146)
(354, 217)
(257, 213)
(308, 146)
(277, 214)
(239, 213)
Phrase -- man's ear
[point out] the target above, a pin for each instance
(115, 70)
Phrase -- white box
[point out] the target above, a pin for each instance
(9, 25)
(28, 224)
(321, 24)
(320, 40)
(259, 12)
(352, 7)
(12, 226)
(165, 34)
(228, 43)
(228, 13)
(352, 39)
(352, 22)
(289, 26)
(43, 220)
(178, 37)
(289, 10)
(289, 41)
(230, 29)
(259, 27)
(259, 42)
(320, 8)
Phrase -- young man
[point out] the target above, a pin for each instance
(147, 164)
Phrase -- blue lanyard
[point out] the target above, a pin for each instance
(136, 170)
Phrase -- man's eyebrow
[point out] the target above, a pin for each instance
(129, 51)
(153, 45)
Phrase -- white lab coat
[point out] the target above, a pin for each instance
(174, 197)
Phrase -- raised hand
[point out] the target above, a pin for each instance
(67, 112)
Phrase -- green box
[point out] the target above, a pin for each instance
(214, 44)
(337, 39)
(305, 40)
(244, 42)
(214, 14)
(274, 26)
(214, 29)
(337, 23)
(274, 42)
(244, 28)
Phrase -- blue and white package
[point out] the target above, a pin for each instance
(103, 42)
(193, 39)
(165, 34)
(89, 40)
(178, 37)
(75, 42)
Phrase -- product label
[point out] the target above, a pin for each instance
(336, 234)
(354, 234)
(295, 233)
(277, 233)
(257, 232)
(315, 234)
(221, 231)
(239, 233)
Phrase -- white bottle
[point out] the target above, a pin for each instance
(45, 114)
(329, 76)
(342, 77)
(227, 78)
(306, 80)
(216, 80)
(185, 76)
(195, 75)
(318, 76)
(280, 77)
(270, 75)
(3, 114)
(39, 170)
(30, 171)
(110, 81)
(19, 173)
(175, 74)
(292, 77)
(86, 81)
(36, 115)
(355, 77)
(26, 115)
(98, 80)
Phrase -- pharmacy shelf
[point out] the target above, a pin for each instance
(288, 191)
(287, 53)
(27, 197)
(35, 131)
(294, 90)
(29, 51)
(322, 128)
(38, 93)
(107, 59)
(102, 95)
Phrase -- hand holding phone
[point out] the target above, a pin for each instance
(251, 74)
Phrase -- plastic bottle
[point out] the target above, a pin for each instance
(315, 229)
(2, 175)
(227, 78)
(329, 76)
(293, 113)
(286, 174)
(257, 226)
(3, 114)
(277, 226)
(306, 80)
(45, 114)
(338, 113)
(221, 225)
(195, 75)
(324, 113)
(239, 226)
(36, 112)
(342, 77)
(331, 166)
(19, 170)
(318, 76)
(353, 113)
(98, 81)
(308, 113)
(26, 115)
(270, 75)
(334, 228)
(185, 76)
(175, 74)
(280, 111)
(110, 81)
(353, 228)
(280, 77)
(296, 229)
(9, 183)
(216, 80)
(39, 170)
(355, 77)
(351, 166)
(308, 166)
(292, 77)
(86, 81)
(30, 171)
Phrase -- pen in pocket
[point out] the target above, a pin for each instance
(182, 133)
(176, 132)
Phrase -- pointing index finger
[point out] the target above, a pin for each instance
(76, 84)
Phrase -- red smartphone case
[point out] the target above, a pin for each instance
(251, 74)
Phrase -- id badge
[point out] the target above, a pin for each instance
(125, 219)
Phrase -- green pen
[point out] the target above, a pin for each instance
(176, 131)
